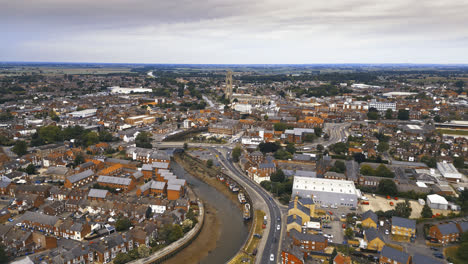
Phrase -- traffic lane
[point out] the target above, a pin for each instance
(273, 213)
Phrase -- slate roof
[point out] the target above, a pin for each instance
(80, 176)
(174, 187)
(307, 236)
(114, 180)
(36, 217)
(422, 259)
(370, 214)
(137, 174)
(4, 184)
(449, 228)
(403, 222)
(160, 165)
(463, 226)
(291, 219)
(147, 167)
(352, 170)
(97, 193)
(394, 254)
(371, 234)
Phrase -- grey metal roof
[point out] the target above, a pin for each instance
(394, 254)
(97, 193)
(137, 174)
(160, 165)
(157, 185)
(147, 167)
(80, 176)
(352, 169)
(403, 222)
(114, 180)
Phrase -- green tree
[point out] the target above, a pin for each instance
(236, 153)
(373, 114)
(3, 256)
(122, 258)
(349, 233)
(426, 212)
(339, 166)
(90, 138)
(383, 147)
(320, 147)
(185, 146)
(122, 224)
(367, 170)
(318, 131)
(277, 176)
(437, 118)
(389, 114)
(384, 171)
(359, 157)
(143, 251)
(339, 148)
(20, 148)
(403, 114)
(30, 169)
(459, 162)
(175, 233)
(280, 126)
(291, 148)
(105, 136)
(431, 162)
(403, 209)
(143, 140)
(333, 255)
(310, 138)
(269, 147)
(283, 155)
(209, 163)
(79, 159)
(387, 187)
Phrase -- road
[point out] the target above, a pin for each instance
(336, 131)
(273, 238)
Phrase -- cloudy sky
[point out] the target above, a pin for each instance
(235, 31)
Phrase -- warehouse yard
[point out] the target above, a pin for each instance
(381, 203)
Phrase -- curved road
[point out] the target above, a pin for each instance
(273, 240)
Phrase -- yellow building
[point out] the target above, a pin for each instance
(403, 227)
(299, 212)
(374, 239)
(369, 219)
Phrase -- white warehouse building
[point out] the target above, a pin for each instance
(326, 191)
(381, 106)
(83, 113)
(436, 201)
(449, 171)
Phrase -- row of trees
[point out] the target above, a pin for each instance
(380, 171)
(373, 114)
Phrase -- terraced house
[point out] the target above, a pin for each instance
(79, 179)
(403, 227)
(390, 255)
(445, 233)
(125, 184)
(369, 219)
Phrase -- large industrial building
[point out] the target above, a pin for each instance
(326, 191)
(449, 171)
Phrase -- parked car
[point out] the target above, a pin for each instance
(278, 227)
(257, 235)
(333, 206)
(387, 232)
(324, 206)
(272, 257)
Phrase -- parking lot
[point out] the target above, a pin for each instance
(381, 203)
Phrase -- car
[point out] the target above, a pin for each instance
(434, 248)
(272, 257)
(257, 235)
(343, 216)
(438, 255)
(278, 227)
(254, 252)
(387, 232)
(333, 206)
(324, 206)
(326, 226)
(352, 208)
(278, 219)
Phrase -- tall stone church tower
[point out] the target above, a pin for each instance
(228, 90)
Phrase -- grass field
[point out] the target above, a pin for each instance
(246, 253)
(453, 132)
(451, 253)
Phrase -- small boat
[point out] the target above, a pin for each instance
(246, 211)
(241, 198)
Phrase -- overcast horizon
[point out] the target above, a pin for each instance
(235, 32)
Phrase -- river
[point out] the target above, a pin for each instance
(233, 229)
